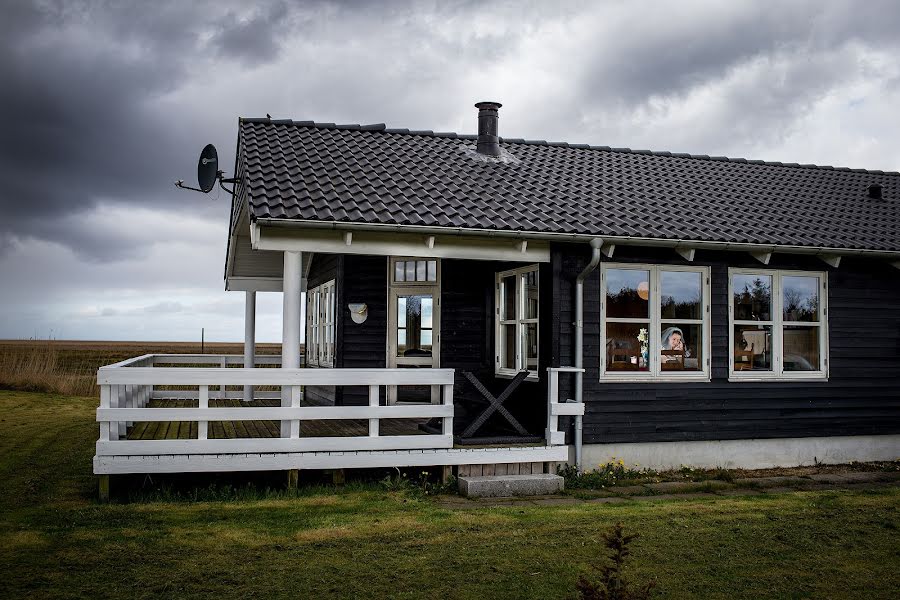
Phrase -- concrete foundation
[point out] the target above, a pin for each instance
(503, 486)
(745, 454)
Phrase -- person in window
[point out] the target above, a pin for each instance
(673, 339)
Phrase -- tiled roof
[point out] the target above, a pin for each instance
(371, 174)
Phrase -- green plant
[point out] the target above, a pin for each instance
(606, 475)
(422, 485)
(612, 585)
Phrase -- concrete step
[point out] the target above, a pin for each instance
(503, 486)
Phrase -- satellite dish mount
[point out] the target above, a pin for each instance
(208, 173)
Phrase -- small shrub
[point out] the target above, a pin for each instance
(612, 585)
(422, 485)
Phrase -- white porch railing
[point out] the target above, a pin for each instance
(557, 409)
(126, 389)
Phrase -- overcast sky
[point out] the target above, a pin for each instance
(105, 104)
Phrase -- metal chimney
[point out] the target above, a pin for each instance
(874, 189)
(488, 140)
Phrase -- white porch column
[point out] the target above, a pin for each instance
(290, 332)
(249, 339)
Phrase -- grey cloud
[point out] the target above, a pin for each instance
(164, 308)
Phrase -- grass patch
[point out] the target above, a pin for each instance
(371, 540)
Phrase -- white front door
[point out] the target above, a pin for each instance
(414, 324)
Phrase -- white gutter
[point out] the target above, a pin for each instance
(573, 237)
(579, 341)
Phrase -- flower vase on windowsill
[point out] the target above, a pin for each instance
(643, 336)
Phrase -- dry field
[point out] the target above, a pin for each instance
(70, 366)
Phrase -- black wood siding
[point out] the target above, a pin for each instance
(861, 397)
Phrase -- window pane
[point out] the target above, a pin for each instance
(426, 338)
(801, 348)
(508, 310)
(531, 294)
(680, 294)
(399, 271)
(800, 298)
(752, 348)
(681, 347)
(410, 270)
(427, 310)
(752, 297)
(432, 270)
(627, 347)
(420, 270)
(627, 293)
(531, 346)
(410, 309)
(508, 340)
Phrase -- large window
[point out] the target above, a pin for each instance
(778, 324)
(320, 303)
(516, 336)
(654, 322)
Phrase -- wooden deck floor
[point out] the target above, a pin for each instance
(224, 430)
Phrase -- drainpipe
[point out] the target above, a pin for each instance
(579, 339)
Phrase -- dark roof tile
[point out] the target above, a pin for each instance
(372, 174)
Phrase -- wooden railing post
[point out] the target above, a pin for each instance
(203, 402)
(295, 403)
(104, 403)
(447, 393)
(222, 364)
(552, 398)
(373, 401)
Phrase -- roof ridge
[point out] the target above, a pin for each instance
(382, 128)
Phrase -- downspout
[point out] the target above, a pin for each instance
(579, 340)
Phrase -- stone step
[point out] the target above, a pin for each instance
(504, 486)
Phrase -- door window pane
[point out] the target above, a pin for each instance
(432, 270)
(752, 348)
(627, 347)
(680, 295)
(681, 347)
(414, 328)
(801, 348)
(752, 297)
(399, 271)
(410, 270)
(627, 293)
(800, 298)
(420, 270)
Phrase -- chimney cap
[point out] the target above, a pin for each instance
(875, 191)
(487, 105)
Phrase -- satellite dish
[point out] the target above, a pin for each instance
(208, 173)
(208, 168)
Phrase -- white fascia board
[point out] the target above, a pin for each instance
(253, 284)
(571, 237)
(401, 244)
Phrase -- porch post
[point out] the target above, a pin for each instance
(290, 322)
(249, 339)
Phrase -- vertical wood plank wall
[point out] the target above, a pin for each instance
(862, 396)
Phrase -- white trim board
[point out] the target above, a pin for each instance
(209, 463)
(399, 244)
(746, 454)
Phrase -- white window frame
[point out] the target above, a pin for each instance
(655, 373)
(778, 323)
(320, 325)
(520, 322)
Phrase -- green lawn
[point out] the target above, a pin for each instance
(57, 541)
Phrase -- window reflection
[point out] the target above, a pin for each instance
(415, 325)
(800, 298)
(627, 293)
(752, 297)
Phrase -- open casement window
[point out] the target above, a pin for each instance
(517, 309)
(654, 322)
(320, 321)
(778, 326)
